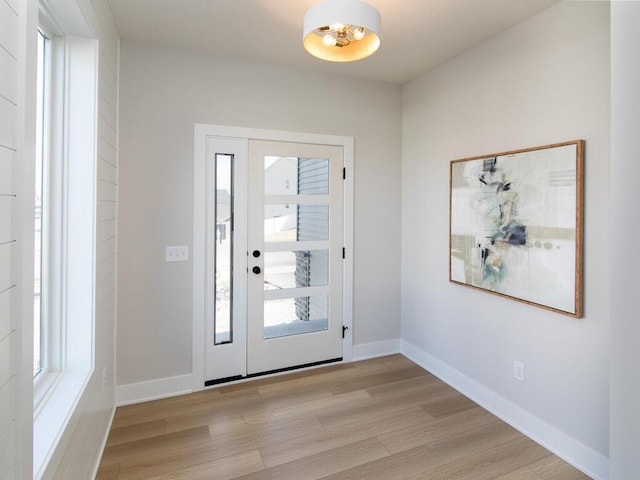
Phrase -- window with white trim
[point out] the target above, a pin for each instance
(44, 47)
(64, 228)
(49, 173)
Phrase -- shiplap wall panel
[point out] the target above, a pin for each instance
(6, 205)
(107, 132)
(107, 171)
(5, 265)
(5, 357)
(7, 450)
(106, 289)
(5, 312)
(107, 102)
(108, 68)
(12, 29)
(6, 170)
(107, 190)
(8, 124)
(107, 152)
(13, 4)
(8, 79)
(7, 392)
(107, 210)
(106, 230)
(108, 75)
(107, 112)
(9, 22)
(106, 249)
(106, 310)
(11, 475)
(105, 270)
(109, 82)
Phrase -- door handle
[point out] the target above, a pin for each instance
(256, 270)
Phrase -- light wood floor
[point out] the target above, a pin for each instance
(384, 419)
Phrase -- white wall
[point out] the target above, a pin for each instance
(164, 92)
(80, 446)
(17, 77)
(544, 81)
(625, 170)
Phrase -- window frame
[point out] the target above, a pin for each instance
(52, 320)
(42, 140)
(71, 229)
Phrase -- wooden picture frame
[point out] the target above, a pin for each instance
(516, 225)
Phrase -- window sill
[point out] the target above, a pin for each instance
(53, 414)
(43, 385)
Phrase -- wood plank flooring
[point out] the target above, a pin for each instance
(385, 419)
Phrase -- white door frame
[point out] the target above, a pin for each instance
(202, 132)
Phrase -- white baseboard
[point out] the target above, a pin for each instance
(153, 390)
(564, 446)
(375, 349)
(172, 386)
(103, 444)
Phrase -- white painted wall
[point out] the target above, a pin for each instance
(164, 92)
(80, 445)
(544, 81)
(17, 77)
(625, 203)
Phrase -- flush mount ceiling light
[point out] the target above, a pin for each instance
(341, 30)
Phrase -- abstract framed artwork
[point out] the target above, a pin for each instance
(516, 223)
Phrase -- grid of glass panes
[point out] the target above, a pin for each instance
(303, 216)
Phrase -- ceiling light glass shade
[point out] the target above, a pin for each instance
(341, 30)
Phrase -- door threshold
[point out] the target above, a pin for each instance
(236, 378)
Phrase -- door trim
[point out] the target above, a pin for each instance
(201, 133)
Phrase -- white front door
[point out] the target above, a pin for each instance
(274, 256)
(295, 255)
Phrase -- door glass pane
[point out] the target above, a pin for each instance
(223, 323)
(296, 176)
(295, 269)
(294, 316)
(291, 222)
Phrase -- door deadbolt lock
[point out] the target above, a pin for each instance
(256, 253)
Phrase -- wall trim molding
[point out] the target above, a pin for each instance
(182, 384)
(564, 446)
(103, 443)
(365, 351)
(153, 390)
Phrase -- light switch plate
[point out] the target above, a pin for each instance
(177, 254)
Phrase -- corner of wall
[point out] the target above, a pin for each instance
(153, 389)
(553, 439)
(382, 348)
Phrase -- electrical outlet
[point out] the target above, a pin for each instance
(177, 254)
(518, 370)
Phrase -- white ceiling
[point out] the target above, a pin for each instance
(416, 34)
